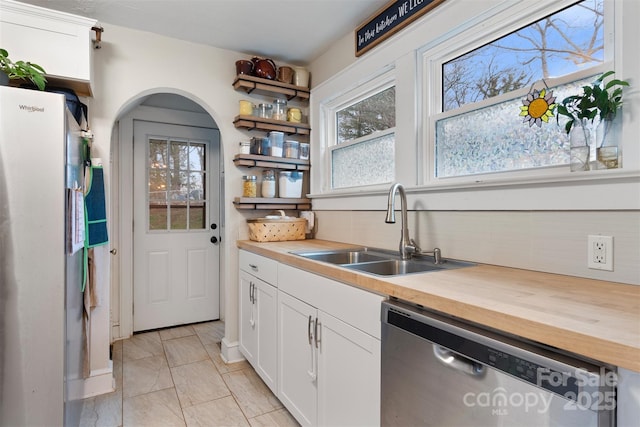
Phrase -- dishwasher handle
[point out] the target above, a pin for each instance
(458, 362)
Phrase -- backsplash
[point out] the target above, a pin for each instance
(549, 241)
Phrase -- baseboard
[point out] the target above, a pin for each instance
(230, 351)
(100, 382)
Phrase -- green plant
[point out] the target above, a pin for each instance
(22, 70)
(594, 101)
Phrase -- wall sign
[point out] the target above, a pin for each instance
(393, 17)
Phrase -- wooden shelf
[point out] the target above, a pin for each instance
(271, 203)
(250, 84)
(256, 160)
(258, 123)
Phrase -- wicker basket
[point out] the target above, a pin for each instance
(277, 228)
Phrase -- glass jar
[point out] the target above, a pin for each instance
(279, 109)
(245, 147)
(265, 111)
(249, 186)
(268, 183)
(291, 149)
(304, 150)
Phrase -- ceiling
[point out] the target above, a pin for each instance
(293, 31)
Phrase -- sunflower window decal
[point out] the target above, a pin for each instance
(538, 106)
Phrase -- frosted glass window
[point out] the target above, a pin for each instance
(364, 163)
(495, 139)
(474, 133)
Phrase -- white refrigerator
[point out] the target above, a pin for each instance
(41, 304)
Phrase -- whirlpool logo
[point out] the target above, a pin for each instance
(31, 108)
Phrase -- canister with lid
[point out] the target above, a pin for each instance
(245, 147)
(277, 143)
(304, 150)
(291, 149)
(268, 183)
(249, 186)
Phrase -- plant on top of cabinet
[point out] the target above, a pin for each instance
(22, 70)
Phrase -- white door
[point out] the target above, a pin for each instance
(176, 225)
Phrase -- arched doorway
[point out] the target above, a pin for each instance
(161, 284)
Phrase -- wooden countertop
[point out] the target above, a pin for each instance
(593, 318)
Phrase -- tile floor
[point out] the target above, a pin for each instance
(176, 377)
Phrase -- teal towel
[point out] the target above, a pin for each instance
(95, 210)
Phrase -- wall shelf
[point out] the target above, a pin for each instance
(256, 160)
(255, 85)
(250, 84)
(258, 123)
(271, 203)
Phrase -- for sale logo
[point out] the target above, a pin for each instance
(594, 392)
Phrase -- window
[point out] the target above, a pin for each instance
(362, 135)
(176, 178)
(478, 128)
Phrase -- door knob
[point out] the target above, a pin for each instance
(214, 226)
(214, 239)
(113, 251)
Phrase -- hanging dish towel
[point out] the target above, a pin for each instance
(95, 209)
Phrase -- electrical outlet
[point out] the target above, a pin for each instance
(600, 252)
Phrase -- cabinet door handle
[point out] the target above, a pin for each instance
(309, 333)
(252, 289)
(312, 373)
(316, 331)
(254, 267)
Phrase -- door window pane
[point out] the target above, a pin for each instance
(176, 177)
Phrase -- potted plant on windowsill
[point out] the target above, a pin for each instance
(20, 70)
(599, 100)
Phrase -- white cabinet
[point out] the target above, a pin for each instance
(329, 346)
(59, 42)
(297, 383)
(348, 375)
(258, 316)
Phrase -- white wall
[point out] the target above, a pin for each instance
(131, 64)
(541, 226)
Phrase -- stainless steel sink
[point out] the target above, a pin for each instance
(394, 267)
(343, 257)
(380, 261)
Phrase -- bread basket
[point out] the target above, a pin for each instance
(277, 228)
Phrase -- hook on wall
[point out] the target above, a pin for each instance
(98, 40)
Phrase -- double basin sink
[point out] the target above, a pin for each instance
(380, 261)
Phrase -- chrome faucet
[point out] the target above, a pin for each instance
(407, 245)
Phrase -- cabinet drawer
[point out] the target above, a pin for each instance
(259, 266)
(353, 306)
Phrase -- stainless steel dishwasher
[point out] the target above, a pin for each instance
(437, 371)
